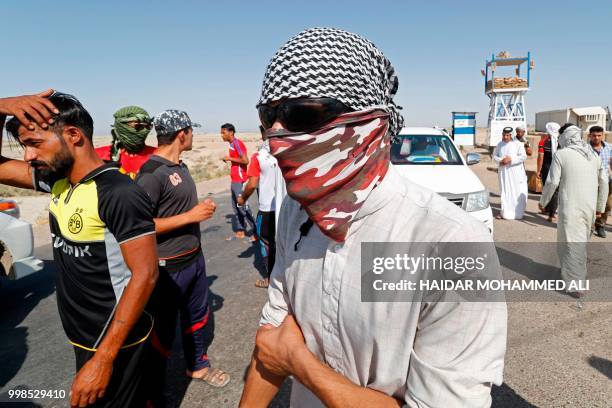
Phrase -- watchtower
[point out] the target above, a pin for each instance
(506, 91)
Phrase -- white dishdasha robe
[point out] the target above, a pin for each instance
(512, 179)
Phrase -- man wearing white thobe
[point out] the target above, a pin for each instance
(509, 155)
(583, 188)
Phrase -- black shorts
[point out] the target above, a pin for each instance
(127, 387)
(266, 231)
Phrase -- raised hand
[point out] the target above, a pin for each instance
(38, 107)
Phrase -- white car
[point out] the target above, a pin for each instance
(429, 157)
(16, 244)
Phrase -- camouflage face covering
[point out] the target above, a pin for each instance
(125, 136)
(332, 171)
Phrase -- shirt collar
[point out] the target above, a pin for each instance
(99, 170)
(382, 194)
(164, 160)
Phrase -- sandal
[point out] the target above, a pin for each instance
(235, 237)
(499, 217)
(262, 283)
(215, 378)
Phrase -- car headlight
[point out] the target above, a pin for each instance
(477, 201)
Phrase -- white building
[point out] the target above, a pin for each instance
(583, 117)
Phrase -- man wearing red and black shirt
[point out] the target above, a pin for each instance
(130, 162)
(546, 150)
(239, 160)
(130, 130)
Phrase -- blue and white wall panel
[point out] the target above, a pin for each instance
(464, 128)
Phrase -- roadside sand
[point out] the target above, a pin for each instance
(210, 173)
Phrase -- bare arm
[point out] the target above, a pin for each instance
(335, 390)
(140, 255)
(261, 383)
(552, 182)
(243, 159)
(250, 187)
(281, 351)
(540, 163)
(18, 173)
(197, 214)
(163, 225)
(260, 387)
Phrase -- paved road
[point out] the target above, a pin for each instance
(558, 354)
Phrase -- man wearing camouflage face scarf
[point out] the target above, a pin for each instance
(328, 108)
(130, 130)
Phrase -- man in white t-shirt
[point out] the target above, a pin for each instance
(264, 174)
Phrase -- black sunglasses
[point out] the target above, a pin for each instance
(302, 114)
(141, 125)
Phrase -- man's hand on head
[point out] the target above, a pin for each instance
(280, 348)
(37, 107)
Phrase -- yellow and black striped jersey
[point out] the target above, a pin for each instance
(89, 221)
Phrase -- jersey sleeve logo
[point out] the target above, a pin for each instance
(175, 179)
(75, 223)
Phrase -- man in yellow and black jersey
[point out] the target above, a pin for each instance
(104, 245)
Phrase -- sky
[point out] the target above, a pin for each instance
(209, 57)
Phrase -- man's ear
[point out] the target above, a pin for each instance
(73, 135)
(182, 136)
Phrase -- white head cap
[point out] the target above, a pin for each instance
(552, 128)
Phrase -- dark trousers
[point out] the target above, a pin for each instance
(241, 212)
(128, 386)
(551, 208)
(183, 293)
(266, 232)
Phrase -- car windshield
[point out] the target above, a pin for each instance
(424, 149)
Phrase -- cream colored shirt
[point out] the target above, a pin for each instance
(427, 355)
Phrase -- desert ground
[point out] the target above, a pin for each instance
(203, 161)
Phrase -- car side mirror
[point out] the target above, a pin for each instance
(473, 158)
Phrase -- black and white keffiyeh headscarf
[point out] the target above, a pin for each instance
(332, 63)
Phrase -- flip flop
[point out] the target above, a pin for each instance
(499, 217)
(235, 238)
(262, 283)
(211, 375)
